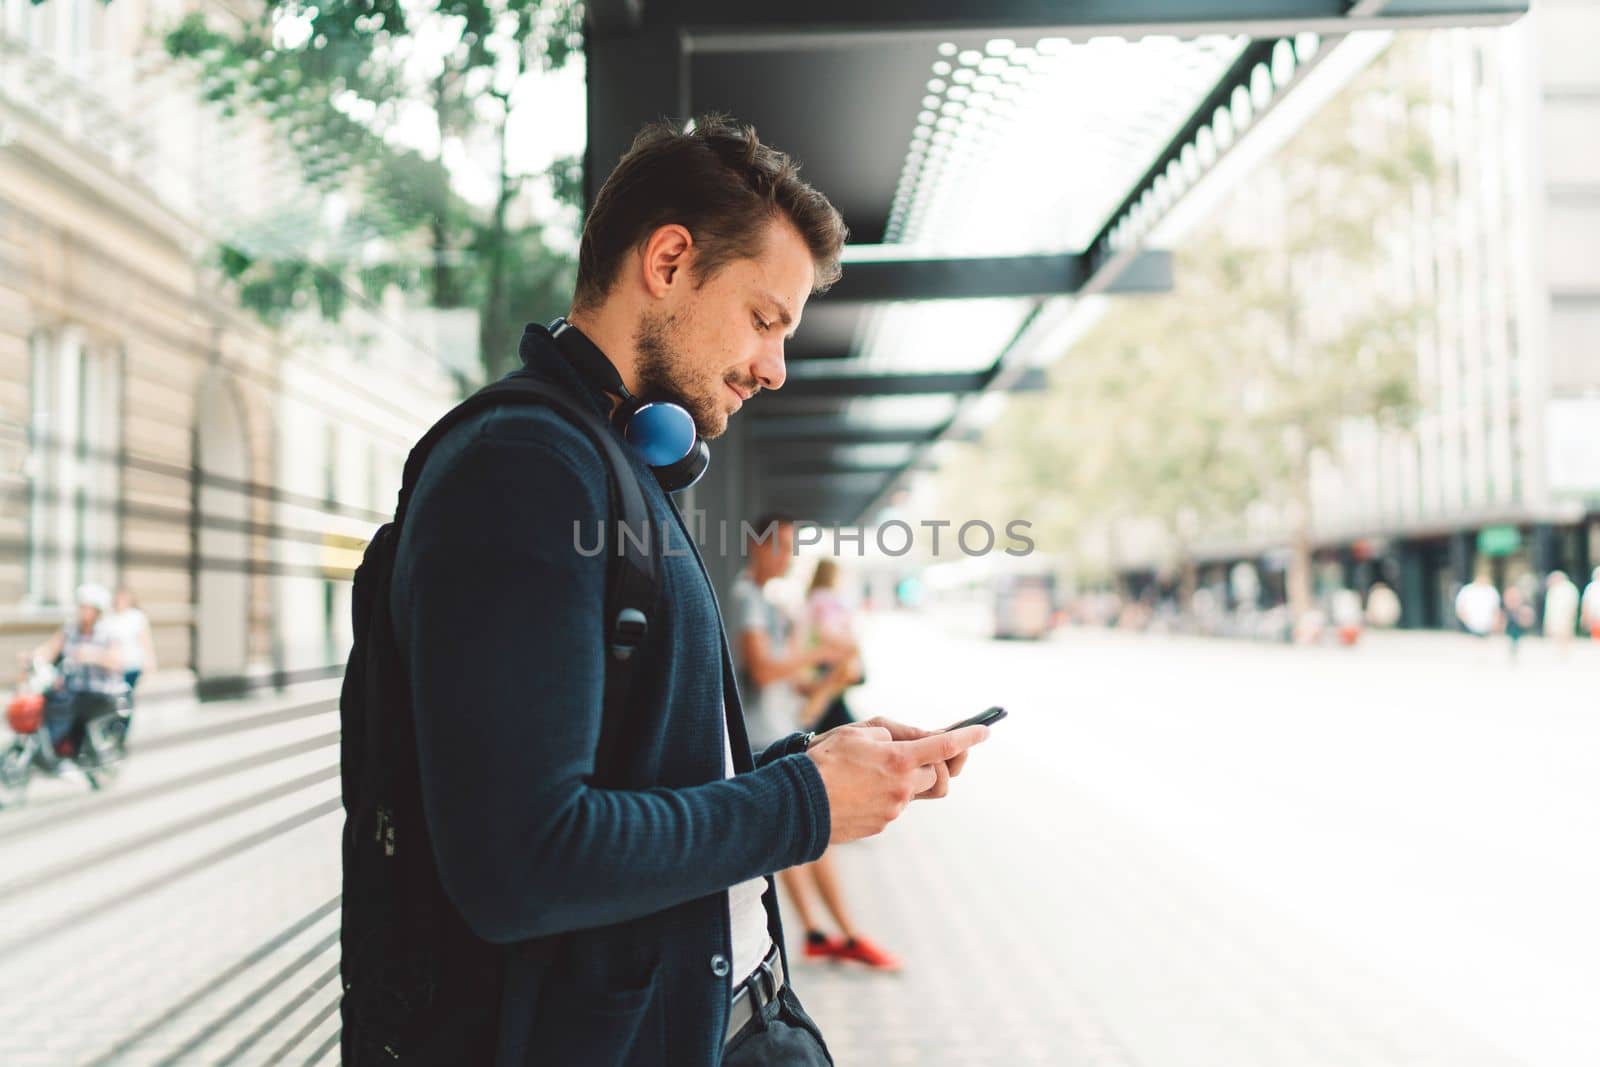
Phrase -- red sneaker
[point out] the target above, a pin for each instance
(822, 947)
(860, 950)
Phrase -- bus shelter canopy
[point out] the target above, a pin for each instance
(996, 160)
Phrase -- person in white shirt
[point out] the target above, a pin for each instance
(1478, 606)
(130, 628)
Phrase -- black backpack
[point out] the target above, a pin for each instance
(419, 987)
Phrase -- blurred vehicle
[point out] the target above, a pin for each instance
(98, 758)
(1001, 597)
(1024, 604)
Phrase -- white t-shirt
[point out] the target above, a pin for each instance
(127, 628)
(747, 916)
(771, 712)
(1478, 606)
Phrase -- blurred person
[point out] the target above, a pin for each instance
(596, 910)
(90, 670)
(1560, 610)
(1205, 609)
(1344, 607)
(776, 672)
(1590, 607)
(1478, 606)
(1516, 617)
(1310, 627)
(130, 627)
(1383, 606)
(828, 621)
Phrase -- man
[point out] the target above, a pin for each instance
(91, 671)
(649, 896)
(780, 686)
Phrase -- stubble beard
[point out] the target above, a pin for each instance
(666, 372)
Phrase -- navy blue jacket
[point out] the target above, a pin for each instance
(499, 618)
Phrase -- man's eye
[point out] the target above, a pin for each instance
(762, 325)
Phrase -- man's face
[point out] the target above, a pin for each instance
(713, 347)
(773, 557)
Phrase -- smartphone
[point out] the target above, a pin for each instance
(983, 718)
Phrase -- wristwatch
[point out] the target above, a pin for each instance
(805, 740)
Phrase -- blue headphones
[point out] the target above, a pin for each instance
(661, 432)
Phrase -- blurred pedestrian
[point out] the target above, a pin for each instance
(1478, 606)
(828, 621)
(1344, 606)
(777, 678)
(1383, 606)
(1590, 607)
(775, 672)
(130, 628)
(1517, 617)
(1560, 610)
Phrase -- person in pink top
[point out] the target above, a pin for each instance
(828, 624)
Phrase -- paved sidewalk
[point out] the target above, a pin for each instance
(1183, 853)
(1176, 852)
(183, 915)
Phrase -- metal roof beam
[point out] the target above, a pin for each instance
(824, 473)
(854, 386)
(880, 277)
(846, 387)
(1279, 65)
(738, 25)
(798, 431)
(858, 483)
(825, 356)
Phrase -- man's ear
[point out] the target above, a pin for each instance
(665, 258)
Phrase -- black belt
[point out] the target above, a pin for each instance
(755, 993)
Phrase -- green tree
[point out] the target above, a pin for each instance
(1322, 304)
(337, 78)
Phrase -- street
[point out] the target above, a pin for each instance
(1174, 853)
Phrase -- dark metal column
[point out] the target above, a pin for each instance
(632, 80)
(635, 78)
(1463, 555)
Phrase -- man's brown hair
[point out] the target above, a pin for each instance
(719, 182)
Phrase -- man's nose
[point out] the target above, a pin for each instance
(769, 368)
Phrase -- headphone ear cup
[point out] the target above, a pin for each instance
(662, 433)
(676, 477)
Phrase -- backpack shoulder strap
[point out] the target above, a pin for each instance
(631, 568)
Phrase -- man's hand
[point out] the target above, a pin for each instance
(945, 771)
(871, 775)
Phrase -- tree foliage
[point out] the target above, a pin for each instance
(1288, 322)
(337, 79)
